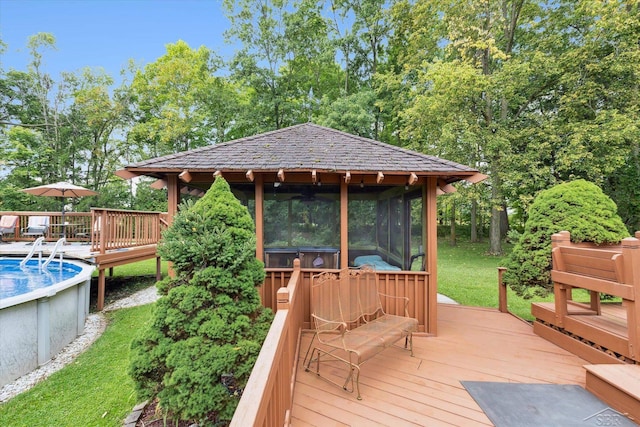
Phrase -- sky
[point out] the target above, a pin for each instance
(108, 33)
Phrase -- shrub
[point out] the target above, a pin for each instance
(579, 207)
(208, 326)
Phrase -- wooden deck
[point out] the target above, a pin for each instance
(607, 331)
(473, 344)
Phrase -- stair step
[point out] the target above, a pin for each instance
(618, 385)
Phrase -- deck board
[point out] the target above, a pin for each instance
(473, 344)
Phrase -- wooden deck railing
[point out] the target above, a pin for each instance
(124, 228)
(414, 285)
(268, 396)
(74, 220)
(117, 229)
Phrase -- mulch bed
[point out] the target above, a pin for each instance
(152, 417)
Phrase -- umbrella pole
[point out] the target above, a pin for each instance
(64, 229)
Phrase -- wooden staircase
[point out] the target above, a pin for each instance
(618, 385)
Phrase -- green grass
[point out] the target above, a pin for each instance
(95, 390)
(469, 276)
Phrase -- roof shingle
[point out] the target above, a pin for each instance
(304, 147)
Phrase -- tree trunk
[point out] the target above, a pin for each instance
(452, 237)
(474, 226)
(495, 240)
(504, 221)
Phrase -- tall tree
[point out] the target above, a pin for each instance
(174, 97)
(460, 106)
(286, 59)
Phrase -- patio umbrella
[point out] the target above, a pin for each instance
(60, 189)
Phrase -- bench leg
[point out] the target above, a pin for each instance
(354, 375)
(305, 363)
(408, 343)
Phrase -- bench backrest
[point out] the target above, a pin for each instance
(610, 270)
(325, 300)
(600, 263)
(348, 296)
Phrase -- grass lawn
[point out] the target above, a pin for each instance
(470, 276)
(95, 390)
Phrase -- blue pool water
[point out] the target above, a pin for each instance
(16, 280)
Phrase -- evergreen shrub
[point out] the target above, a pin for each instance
(208, 325)
(579, 207)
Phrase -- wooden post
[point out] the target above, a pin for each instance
(561, 292)
(173, 199)
(259, 196)
(631, 259)
(282, 298)
(431, 251)
(344, 225)
(101, 286)
(502, 292)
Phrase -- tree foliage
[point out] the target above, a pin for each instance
(531, 93)
(198, 352)
(579, 207)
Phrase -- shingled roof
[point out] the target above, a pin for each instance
(302, 147)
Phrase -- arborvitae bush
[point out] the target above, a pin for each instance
(208, 325)
(579, 207)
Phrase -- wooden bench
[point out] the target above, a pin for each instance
(351, 325)
(609, 270)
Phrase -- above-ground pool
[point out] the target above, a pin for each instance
(41, 311)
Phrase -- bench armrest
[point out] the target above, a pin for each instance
(325, 325)
(405, 299)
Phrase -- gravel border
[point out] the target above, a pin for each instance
(94, 326)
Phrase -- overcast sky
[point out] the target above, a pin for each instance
(107, 33)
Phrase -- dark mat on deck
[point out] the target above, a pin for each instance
(544, 405)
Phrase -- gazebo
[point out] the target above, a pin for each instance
(330, 199)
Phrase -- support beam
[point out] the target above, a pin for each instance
(446, 188)
(379, 178)
(125, 174)
(413, 178)
(259, 197)
(347, 177)
(314, 176)
(185, 176)
(344, 225)
(249, 175)
(281, 175)
(159, 184)
(217, 173)
(431, 249)
(476, 178)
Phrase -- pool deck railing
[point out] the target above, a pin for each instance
(105, 237)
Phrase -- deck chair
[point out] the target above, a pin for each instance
(8, 226)
(37, 226)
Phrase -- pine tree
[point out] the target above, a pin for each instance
(209, 325)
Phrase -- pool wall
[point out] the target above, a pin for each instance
(36, 326)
